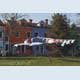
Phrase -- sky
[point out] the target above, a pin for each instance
(74, 18)
(42, 16)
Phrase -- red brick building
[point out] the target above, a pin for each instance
(18, 32)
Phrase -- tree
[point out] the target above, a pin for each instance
(13, 20)
(60, 25)
(72, 32)
(6, 16)
(60, 30)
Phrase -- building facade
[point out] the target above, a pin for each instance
(2, 44)
(39, 31)
(17, 31)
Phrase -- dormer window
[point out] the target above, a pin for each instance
(36, 34)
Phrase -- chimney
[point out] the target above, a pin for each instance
(30, 20)
(46, 22)
(13, 18)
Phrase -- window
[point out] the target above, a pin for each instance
(0, 34)
(28, 47)
(17, 34)
(28, 34)
(45, 34)
(36, 34)
(6, 48)
(6, 38)
(37, 48)
(18, 48)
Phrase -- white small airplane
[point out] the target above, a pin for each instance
(31, 42)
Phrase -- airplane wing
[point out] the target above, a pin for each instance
(17, 44)
(29, 44)
(36, 43)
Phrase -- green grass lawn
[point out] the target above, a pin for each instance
(39, 61)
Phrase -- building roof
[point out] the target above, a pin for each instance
(24, 23)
